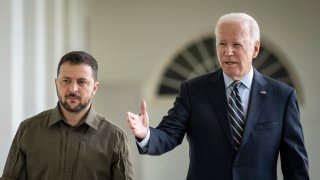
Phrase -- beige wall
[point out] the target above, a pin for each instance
(133, 42)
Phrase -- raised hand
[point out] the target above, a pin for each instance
(139, 123)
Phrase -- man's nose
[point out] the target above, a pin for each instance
(229, 51)
(73, 87)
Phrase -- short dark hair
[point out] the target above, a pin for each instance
(80, 57)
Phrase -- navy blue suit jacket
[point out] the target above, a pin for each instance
(272, 127)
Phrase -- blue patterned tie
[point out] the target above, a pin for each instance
(236, 115)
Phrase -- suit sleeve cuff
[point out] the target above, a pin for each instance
(144, 141)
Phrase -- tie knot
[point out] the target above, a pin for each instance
(236, 84)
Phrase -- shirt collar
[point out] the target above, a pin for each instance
(89, 119)
(246, 79)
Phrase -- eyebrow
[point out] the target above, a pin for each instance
(81, 78)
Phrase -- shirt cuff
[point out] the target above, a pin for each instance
(145, 141)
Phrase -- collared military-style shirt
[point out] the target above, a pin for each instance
(45, 147)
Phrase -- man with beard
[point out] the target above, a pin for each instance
(70, 141)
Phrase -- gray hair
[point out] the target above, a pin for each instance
(243, 18)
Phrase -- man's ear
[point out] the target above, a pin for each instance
(256, 49)
(96, 86)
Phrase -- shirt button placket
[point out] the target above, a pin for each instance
(69, 155)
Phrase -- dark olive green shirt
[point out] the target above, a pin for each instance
(45, 147)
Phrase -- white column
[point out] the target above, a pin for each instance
(40, 68)
(34, 57)
(17, 64)
(5, 66)
(11, 68)
(56, 44)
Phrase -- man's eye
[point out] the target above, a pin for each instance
(222, 44)
(65, 81)
(81, 82)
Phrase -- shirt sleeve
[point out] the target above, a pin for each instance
(144, 141)
(15, 167)
(122, 168)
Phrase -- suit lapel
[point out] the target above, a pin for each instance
(258, 96)
(216, 93)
